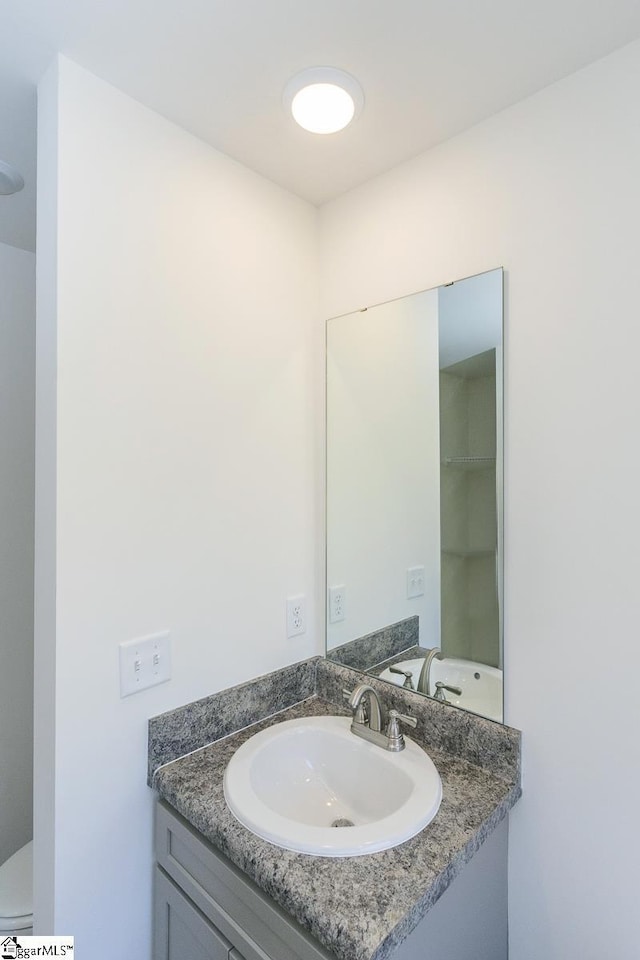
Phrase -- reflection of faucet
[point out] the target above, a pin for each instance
(368, 724)
(408, 677)
(441, 687)
(423, 683)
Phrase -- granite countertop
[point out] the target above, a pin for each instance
(358, 908)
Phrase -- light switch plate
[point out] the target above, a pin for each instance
(144, 662)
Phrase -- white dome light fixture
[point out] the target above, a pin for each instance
(10, 180)
(323, 99)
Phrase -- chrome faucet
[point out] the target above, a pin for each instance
(424, 685)
(371, 718)
(367, 723)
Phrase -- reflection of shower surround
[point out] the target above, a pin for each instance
(468, 514)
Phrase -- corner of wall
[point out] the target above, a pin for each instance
(45, 504)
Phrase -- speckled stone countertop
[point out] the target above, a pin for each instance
(378, 647)
(361, 908)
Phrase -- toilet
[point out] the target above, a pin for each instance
(16, 894)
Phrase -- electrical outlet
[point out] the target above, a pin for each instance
(415, 582)
(337, 604)
(144, 662)
(296, 615)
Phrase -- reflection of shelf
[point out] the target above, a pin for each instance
(470, 463)
(452, 552)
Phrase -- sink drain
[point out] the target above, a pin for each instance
(343, 822)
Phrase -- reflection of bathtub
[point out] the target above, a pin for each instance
(481, 685)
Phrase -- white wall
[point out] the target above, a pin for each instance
(189, 363)
(17, 399)
(549, 189)
(383, 468)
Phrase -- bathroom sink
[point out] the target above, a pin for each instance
(311, 786)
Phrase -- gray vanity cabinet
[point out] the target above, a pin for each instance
(206, 909)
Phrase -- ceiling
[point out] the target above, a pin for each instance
(429, 69)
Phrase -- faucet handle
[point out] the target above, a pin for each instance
(395, 739)
(408, 677)
(410, 721)
(441, 687)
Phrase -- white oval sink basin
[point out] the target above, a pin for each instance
(312, 786)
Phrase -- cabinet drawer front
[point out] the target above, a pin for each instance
(180, 930)
(251, 921)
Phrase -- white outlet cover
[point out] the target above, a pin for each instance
(296, 615)
(337, 603)
(415, 582)
(144, 662)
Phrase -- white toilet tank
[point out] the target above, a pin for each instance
(16, 893)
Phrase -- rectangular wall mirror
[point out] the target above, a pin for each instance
(414, 492)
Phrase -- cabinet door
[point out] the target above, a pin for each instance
(180, 930)
(235, 906)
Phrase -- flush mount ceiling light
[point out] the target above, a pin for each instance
(10, 180)
(323, 99)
